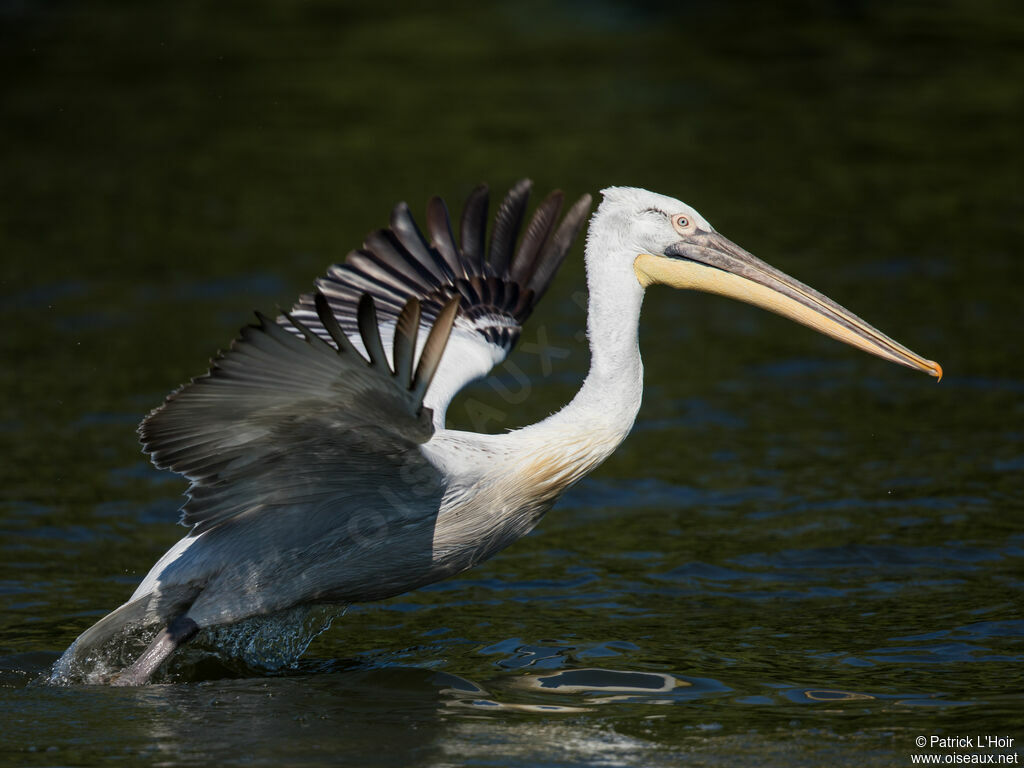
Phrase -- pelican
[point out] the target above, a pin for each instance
(320, 465)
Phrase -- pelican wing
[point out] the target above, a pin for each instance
(289, 420)
(497, 282)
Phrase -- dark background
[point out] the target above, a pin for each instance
(824, 551)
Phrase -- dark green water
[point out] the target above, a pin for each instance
(802, 555)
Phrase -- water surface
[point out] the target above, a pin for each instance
(802, 555)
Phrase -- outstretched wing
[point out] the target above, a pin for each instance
(497, 283)
(289, 420)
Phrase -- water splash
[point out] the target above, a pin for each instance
(269, 643)
(105, 660)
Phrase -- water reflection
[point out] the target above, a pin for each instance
(579, 689)
(356, 716)
(297, 719)
(836, 696)
(381, 712)
(601, 680)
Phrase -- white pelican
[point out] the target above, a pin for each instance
(321, 469)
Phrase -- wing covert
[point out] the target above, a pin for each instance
(287, 419)
(496, 281)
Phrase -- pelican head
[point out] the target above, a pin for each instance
(672, 244)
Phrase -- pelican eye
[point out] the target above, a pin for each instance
(681, 223)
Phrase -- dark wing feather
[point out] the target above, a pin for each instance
(280, 415)
(404, 348)
(442, 239)
(554, 249)
(473, 229)
(497, 289)
(537, 233)
(506, 226)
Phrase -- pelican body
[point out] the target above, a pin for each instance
(321, 469)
